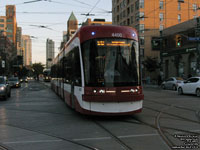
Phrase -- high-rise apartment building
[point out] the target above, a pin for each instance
(50, 50)
(19, 41)
(151, 16)
(3, 25)
(27, 50)
(11, 23)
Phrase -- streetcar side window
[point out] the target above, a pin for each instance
(76, 67)
(71, 66)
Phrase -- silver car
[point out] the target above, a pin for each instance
(5, 90)
(14, 82)
(172, 83)
(190, 86)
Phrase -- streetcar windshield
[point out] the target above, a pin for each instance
(111, 62)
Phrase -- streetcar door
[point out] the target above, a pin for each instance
(72, 95)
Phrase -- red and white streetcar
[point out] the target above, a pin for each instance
(98, 71)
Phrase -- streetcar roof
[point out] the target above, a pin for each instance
(101, 31)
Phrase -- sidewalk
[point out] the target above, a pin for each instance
(151, 86)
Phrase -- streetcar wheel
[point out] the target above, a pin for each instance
(198, 92)
(180, 91)
(174, 87)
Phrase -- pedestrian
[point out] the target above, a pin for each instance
(159, 80)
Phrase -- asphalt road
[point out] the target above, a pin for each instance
(35, 118)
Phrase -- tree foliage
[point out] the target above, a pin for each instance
(151, 64)
(37, 68)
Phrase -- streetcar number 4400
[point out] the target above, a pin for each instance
(116, 34)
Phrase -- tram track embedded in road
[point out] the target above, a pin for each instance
(118, 140)
(3, 147)
(54, 136)
(175, 106)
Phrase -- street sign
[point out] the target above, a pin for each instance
(194, 38)
(3, 64)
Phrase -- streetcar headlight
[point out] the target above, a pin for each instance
(95, 91)
(102, 91)
(133, 34)
(93, 33)
(133, 90)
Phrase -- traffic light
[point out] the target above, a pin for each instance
(178, 40)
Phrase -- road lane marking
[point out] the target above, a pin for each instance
(125, 136)
(38, 141)
(138, 135)
(85, 139)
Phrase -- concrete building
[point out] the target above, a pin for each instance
(72, 26)
(181, 49)
(3, 25)
(50, 52)
(6, 55)
(151, 16)
(27, 50)
(11, 23)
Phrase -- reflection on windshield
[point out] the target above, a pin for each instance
(111, 62)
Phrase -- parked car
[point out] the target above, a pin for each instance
(190, 86)
(14, 82)
(172, 83)
(5, 90)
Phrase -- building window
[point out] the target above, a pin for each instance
(141, 28)
(142, 52)
(179, 17)
(9, 20)
(161, 27)
(141, 40)
(128, 11)
(121, 14)
(124, 3)
(161, 16)
(132, 8)
(131, 19)
(137, 5)
(1, 25)
(141, 3)
(161, 5)
(137, 16)
(124, 13)
(142, 16)
(194, 7)
(179, 6)
(128, 22)
(121, 5)
(2, 20)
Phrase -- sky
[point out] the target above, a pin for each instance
(53, 14)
